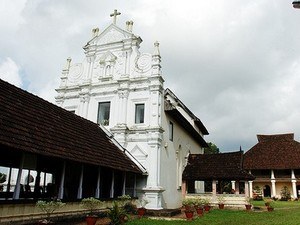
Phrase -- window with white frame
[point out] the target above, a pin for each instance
(139, 113)
(103, 113)
(171, 131)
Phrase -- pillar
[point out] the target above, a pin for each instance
(273, 182)
(97, 193)
(233, 185)
(79, 192)
(247, 194)
(251, 189)
(8, 180)
(37, 187)
(183, 188)
(62, 181)
(112, 187)
(214, 188)
(17, 190)
(124, 184)
(134, 187)
(237, 188)
(294, 187)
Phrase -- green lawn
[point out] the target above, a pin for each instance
(285, 213)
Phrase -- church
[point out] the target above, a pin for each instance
(122, 90)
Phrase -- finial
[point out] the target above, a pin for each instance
(156, 48)
(114, 15)
(95, 32)
(68, 64)
(129, 25)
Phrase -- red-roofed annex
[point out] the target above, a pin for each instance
(275, 162)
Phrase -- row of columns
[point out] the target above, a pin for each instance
(16, 194)
(273, 185)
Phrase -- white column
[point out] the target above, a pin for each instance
(62, 181)
(251, 189)
(112, 188)
(134, 188)
(16, 194)
(214, 188)
(247, 194)
(124, 184)
(97, 193)
(233, 185)
(79, 192)
(273, 182)
(294, 181)
(237, 188)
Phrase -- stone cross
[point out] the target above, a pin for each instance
(115, 14)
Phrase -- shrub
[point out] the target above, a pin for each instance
(116, 213)
(92, 204)
(285, 194)
(49, 207)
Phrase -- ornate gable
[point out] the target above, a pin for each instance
(110, 35)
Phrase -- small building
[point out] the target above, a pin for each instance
(62, 155)
(216, 170)
(275, 162)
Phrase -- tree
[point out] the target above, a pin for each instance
(211, 149)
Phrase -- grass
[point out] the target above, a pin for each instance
(285, 213)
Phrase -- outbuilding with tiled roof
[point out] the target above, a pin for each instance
(65, 153)
(275, 162)
(216, 167)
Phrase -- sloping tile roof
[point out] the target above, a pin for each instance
(278, 151)
(31, 124)
(226, 166)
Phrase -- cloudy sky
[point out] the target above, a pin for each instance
(235, 64)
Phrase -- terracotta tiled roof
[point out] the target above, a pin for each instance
(216, 166)
(279, 151)
(31, 124)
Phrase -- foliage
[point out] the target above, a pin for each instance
(211, 149)
(129, 207)
(2, 177)
(206, 201)
(221, 199)
(235, 217)
(115, 213)
(188, 202)
(198, 202)
(248, 201)
(124, 199)
(285, 194)
(257, 193)
(49, 207)
(92, 204)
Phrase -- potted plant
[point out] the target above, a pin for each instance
(117, 214)
(221, 201)
(207, 206)
(142, 210)
(248, 204)
(188, 203)
(92, 204)
(270, 206)
(48, 207)
(267, 201)
(198, 205)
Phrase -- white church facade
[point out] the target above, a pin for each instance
(122, 89)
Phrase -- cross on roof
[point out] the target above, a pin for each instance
(115, 14)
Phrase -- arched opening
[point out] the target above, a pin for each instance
(267, 191)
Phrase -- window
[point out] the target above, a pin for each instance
(171, 131)
(139, 113)
(103, 113)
